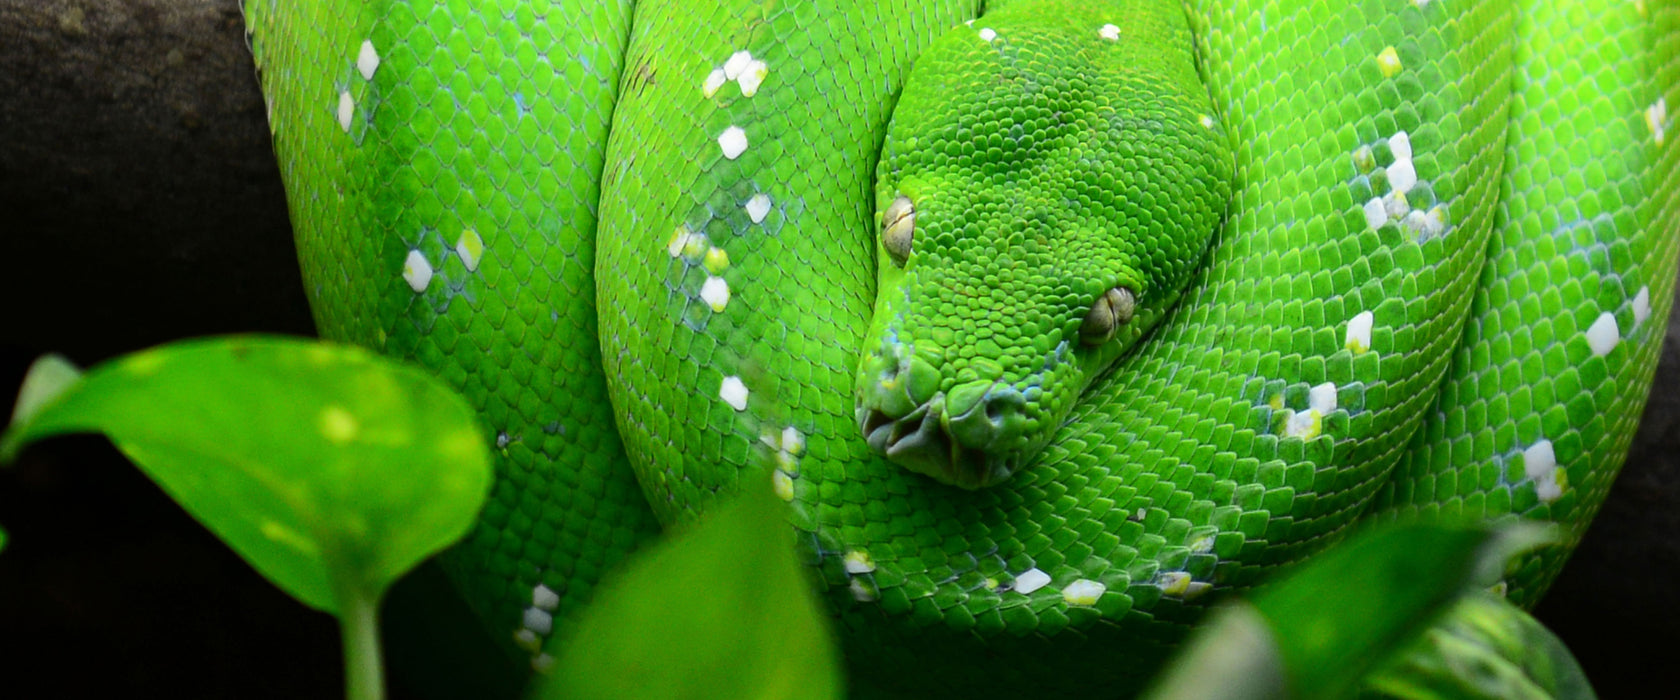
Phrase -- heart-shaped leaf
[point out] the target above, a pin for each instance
(331, 470)
(721, 611)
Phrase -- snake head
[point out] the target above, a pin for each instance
(1042, 198)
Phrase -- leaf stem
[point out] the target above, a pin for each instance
(364, 670)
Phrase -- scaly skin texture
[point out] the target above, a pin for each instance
(1438, 288)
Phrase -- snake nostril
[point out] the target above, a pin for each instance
(888, 369)
(1003, 403)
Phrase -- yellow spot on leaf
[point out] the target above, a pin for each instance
(337, 425)
(281, 534)
(144, 364)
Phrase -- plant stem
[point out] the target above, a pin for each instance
(364, 668)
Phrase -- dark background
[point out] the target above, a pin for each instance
(140, 203)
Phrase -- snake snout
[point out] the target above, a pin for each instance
(952, 436)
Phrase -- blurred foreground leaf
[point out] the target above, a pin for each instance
(1484, 648)
(721, 611)
(1316, 633)
(329, 469)
(324, 466)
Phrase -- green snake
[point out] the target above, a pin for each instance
(1145, 300)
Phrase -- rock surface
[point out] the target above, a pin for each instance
(141, 204)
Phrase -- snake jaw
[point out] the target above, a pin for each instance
(922, 442)
(953, 437)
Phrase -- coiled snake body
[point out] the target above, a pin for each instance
(1426, 250)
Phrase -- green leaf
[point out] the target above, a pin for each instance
(721, 611)
(332, 471)
(1484, 647)
(1316, 633)
(48, 377)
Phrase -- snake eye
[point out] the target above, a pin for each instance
(898, 224)
(1112, 310)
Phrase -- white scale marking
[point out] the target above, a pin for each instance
(539, 621)
(1396, 205)
(861, 591)
(737, 64)
(346, 110)
(1402, 176)
(367, 61)
(1359, 332)
(1322, 398)
(417, 271)
(782, 483)
(545, 598)
(1083, 592)
(733, 142)
(1305, 425)
(733, 392)
(470, 247)
(1376, 214)
(542, 663)
(684, 238)
(757, 207)
(987, 34)
(752, 77)
(1656, 118)
(1031, 580)
(1400, 144)
(1642, 305)
(714, 81)
(1109, 32)
(1540, 465)
(715, 291)
(858, 562)
(1603, 334)
(1434, 223)
(741, 67)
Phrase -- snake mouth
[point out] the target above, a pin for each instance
(923, 442)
